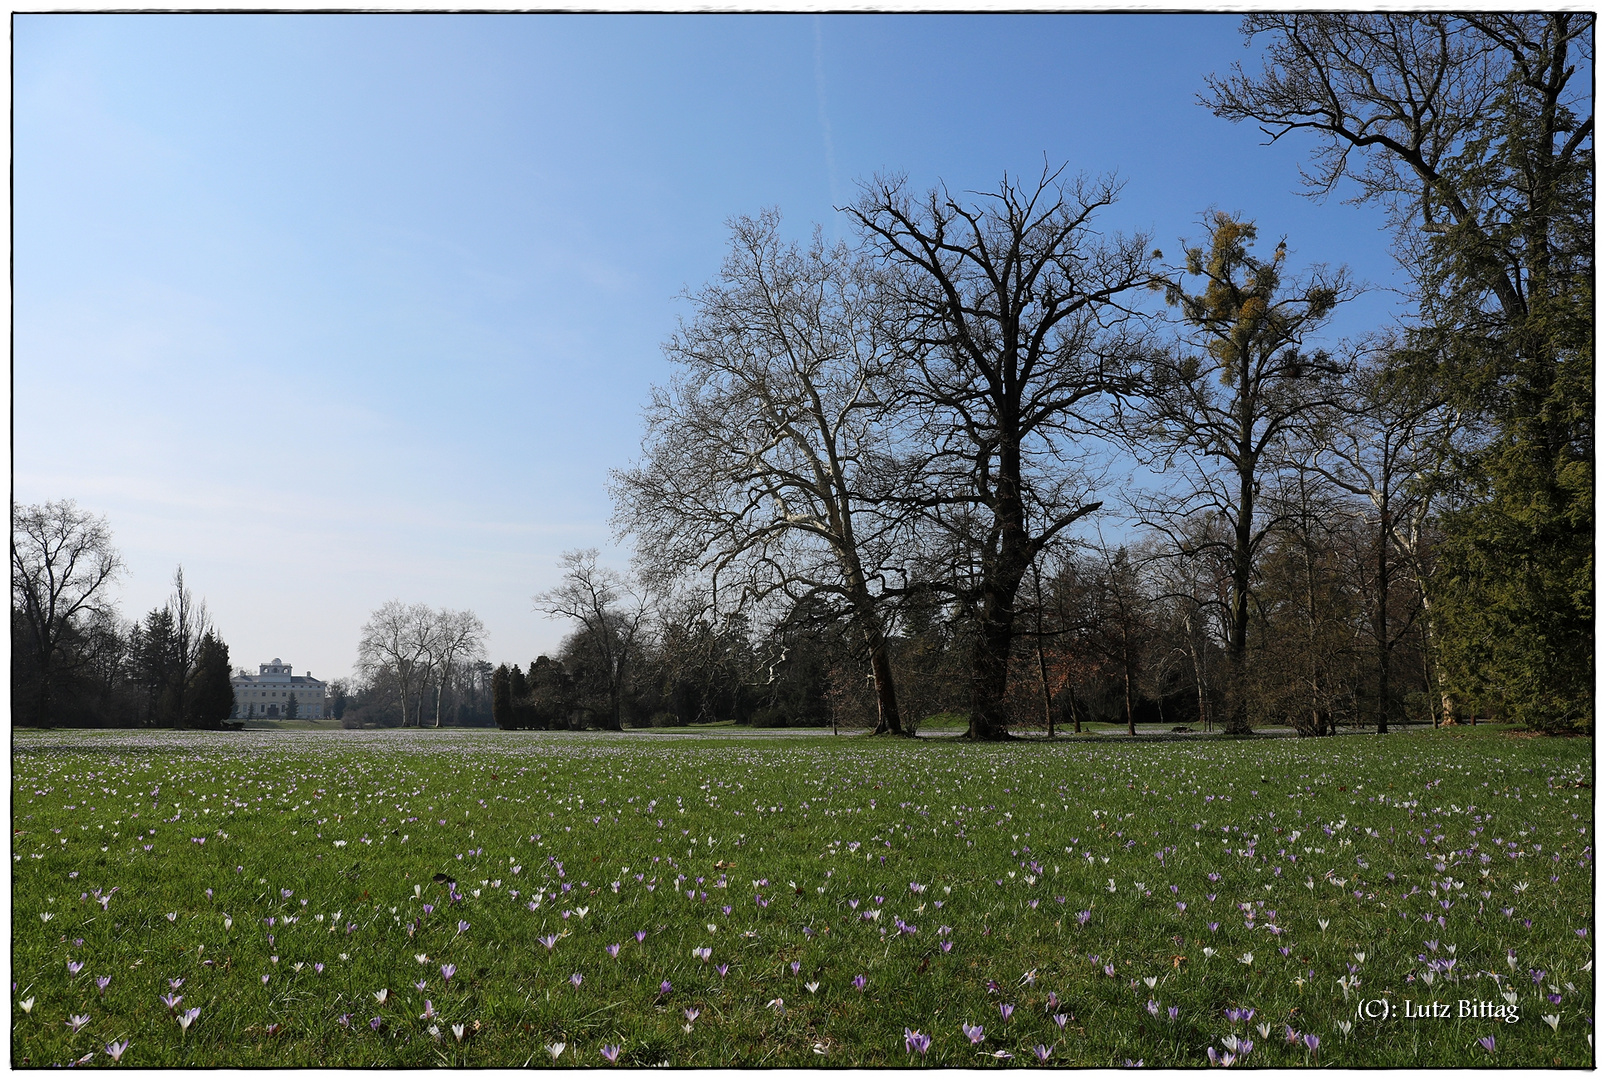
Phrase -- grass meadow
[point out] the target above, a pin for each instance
(482, 898)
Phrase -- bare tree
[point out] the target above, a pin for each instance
(62, 564)
(398, 637)
(191, 625)
(1015, 328)
(1223, 403)
(1384, 442)
(610, 615)
(766, 461)
(458, 636)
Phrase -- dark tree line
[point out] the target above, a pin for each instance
(75, 662)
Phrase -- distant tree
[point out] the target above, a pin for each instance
(458, 637)
(210, 697)
(610, 615)
(548, 696)
(502, 697)
(155, 666)
(339, 693)
(398, 638)
(292, 707)
(62, 564)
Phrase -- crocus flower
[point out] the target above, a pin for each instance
(974, 1034)
(859, 982)
(914, 1042)
(612, 950)
(664, 987)
(576, 979)
(103, 981)
(1005, 1010)
(114, 1050)
(1042, 1051)
(188, 1017)
(611, 1052)
(447, 971)
(77, 1022)
(1487, 1042)
(74, 966)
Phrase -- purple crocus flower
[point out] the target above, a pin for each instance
(914, 1042)
(447, 971)
(1487, 1042)
(859, 982)
(974, 1034)
(1005, 1010)
(664, 987)
(611, 1052)
(612, 950)
(1312, 1042)
(1042, 1051)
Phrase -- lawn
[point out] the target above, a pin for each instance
(490, 898)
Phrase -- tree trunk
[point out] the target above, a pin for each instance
(1383, 649)
(1237, 722)
(989, 678)
(1198, 674)
(888, 721)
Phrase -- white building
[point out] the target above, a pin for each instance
(268, 693)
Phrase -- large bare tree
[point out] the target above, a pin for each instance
(1015, 325)
(400, 638)
(766, 463)
(62, 566)
(457, 637)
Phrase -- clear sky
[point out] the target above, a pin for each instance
(338, 309)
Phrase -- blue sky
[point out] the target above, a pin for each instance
(339, 309)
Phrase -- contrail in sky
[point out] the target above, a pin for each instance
(825, 121)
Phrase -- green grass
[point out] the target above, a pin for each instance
(815, 846)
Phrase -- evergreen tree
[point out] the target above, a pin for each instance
(210, 699)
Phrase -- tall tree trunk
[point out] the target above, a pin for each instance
(1238, 634)
(1198, 672)
(1383, 649)
(989, 677)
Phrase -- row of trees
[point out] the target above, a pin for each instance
(909, 436)
(76, 662)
